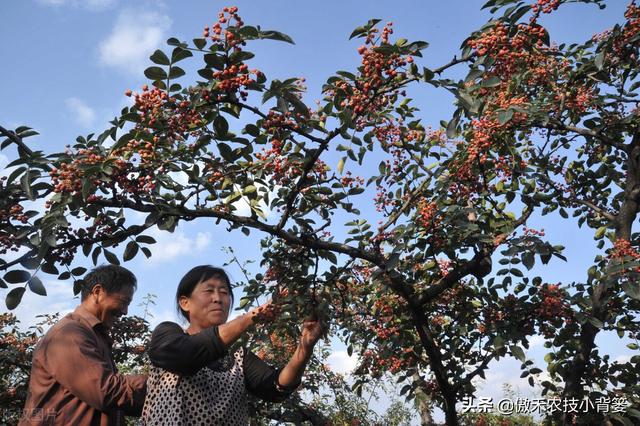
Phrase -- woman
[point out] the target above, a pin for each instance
(193, 379)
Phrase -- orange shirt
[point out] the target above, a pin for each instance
(74, 380)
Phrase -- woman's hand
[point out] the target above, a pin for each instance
(291, 374)
(312, 330)
(268, 311)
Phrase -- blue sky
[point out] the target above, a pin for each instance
(66, 65)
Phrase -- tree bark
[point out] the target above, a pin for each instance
(423, 402)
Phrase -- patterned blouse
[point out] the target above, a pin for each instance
(194, 381)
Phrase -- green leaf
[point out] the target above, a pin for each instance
(214, 60)
(14, 297)
(25, 182)
(632, 289)
(36, 286)
(179, 54)
(17, 172)
(633, 412)
(240, 56)
(160, 58)
(111, 258)
(505, 116)
(528, 260)
(599, 60)
(221, 126)
(17, 276)
(275, 35)
(95, 254)
(145, 239)
(160, 84)
(518, 352)
(76, 272)
(49, 268)
(359, 31)
(427, 74)
(452, 130)
(226, 152)
(167, 223)
(130, 251)
(595, 322)
(200, 43)
(175, 72)
(341, 164)
(27, 133)
(492, 81)
(206, 73)
(519, 13)
(30, 262)
(86, 187)
(252, 130)
(405, 389)
(155, 73)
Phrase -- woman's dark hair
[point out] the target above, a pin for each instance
(194, 277)
(112, 278)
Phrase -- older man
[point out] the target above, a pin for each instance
(74, 380)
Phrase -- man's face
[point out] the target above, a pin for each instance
(113, 305)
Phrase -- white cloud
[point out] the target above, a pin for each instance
(86, 4)
(202, 240)
(622, 359)
(134, 37)
(83, 113)
(170, 246)
(340, 362)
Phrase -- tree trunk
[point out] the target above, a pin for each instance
(435, 362)
(423, 402)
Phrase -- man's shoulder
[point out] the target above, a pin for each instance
(70, 324)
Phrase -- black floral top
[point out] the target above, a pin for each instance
(195, 381)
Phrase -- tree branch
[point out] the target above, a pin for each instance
(466, 268)
(301, 240)
(467, 379)
(302, 180)
(583, 132)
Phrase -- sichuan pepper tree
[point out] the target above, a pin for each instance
(568, 115)
(372, 219)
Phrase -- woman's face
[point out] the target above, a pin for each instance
(208, 304)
